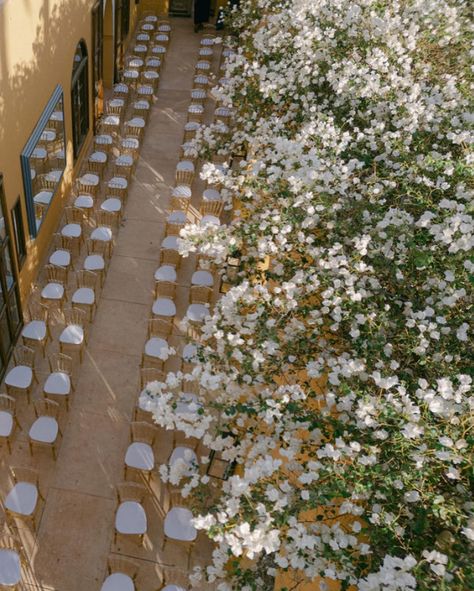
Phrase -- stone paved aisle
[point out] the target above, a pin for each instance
(76, 527)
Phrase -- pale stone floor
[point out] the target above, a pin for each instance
(75, 532)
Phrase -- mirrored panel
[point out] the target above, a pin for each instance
(43, 161)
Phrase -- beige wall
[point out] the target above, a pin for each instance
(38, 39)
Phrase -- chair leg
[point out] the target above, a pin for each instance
(30, 445)
(189, 558)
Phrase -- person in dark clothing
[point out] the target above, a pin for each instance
(202, 9)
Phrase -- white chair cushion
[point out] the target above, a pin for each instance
(197, 312)
(140, 456)
(137, 122)
(189, 352)
(151, 75)
(136, 62)
(60, 258)
(201, 79)
(133, 143)
(83, 295)
(39, 153)
(193, 108)
(112, 204)
(58, 383)
(157, 347)
(132, 74)
(44, 429)
(130, 518)
(72, 335)
(102, 233)
(189, 457)
(165, 273)
(20, 376)
(173, 588)
(6, 423)
(102, 156)
(94, 262)
(178, 525)
(10, 568)
(121, 87)
(222, 111)
(145, 89)
(116, 102)
(22, 498)
(43, 197)
(210, 219)
(153, 62)
(124, 160)
(71, 230)
(35, 330)
(118, 182)
(90, 178)
(191, 126)
(198, 93)
(103, 139)
(118, 582)
(185, 165)
(52, 291)
(84, 201)
(182, 191)
(202, 278)
(187, 404)
(170, 242)
(111, 120)
(164, 307)
(177, 217)
(211, 195)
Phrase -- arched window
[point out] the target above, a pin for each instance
(79, 97)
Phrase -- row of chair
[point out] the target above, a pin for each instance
(131, 516)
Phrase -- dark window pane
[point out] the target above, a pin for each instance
(125, 18)
(20, 243)
(3, 231)
(14, 311)
(8, 269)
(5, 340)
(80, 98)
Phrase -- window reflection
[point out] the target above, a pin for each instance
(7, 265)
(47, 162)
(3, 231)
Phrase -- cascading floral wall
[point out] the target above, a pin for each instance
(337, 376)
